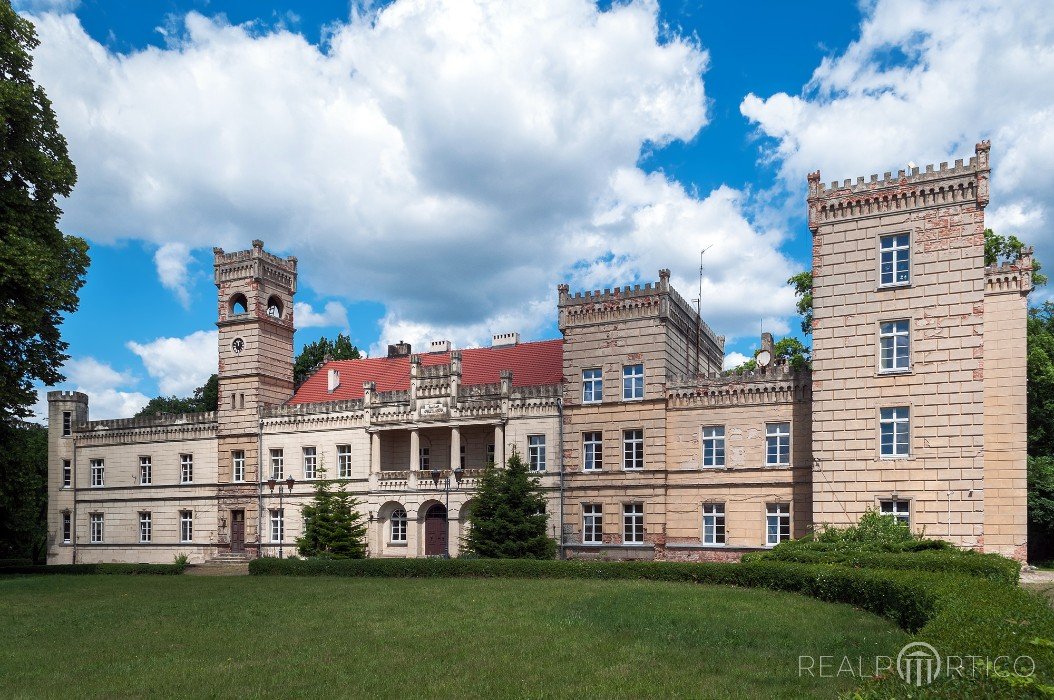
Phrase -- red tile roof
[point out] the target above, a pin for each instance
(532, 364)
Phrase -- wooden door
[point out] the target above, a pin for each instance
(237, 530)
(436, 531)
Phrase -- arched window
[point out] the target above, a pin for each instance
(274, 307)
(239, 305)
(398, 521)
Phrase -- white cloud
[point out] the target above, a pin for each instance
(734, 359)
(333, 314)
(41, 6)
(108, 390)
(451, 159)
(923, 83)
(172, 260)
(179, 365)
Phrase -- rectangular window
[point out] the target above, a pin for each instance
(714, 446)
(894, 346)
(67, 474)
(67, 423)
(186, 469)
(277, 524)
(145, 470)
(895, 264)
(592, 385)
(898, 509)
(98, 472)
(713, 523)
(67, 528)
(632, 449)
(592, 523)
(895, 426)
(95, 531)
(777, 443)
(344, 461)
(277, 464)
(592, 451)
(777, 523)
(490, 453)
(632, 382)
(633, 523)
(145, 527)
(186, 526)
(536, 452)
(310, 463)
(238, 465)
(462, 457)
(425, 458)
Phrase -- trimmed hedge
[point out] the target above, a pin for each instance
(82, 569)
(990, 566)
(959, 615)
(4, 563)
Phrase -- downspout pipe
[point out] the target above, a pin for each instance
(259, 488)
(560, 415)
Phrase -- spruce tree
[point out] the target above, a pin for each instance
(333, 526)
(508, 520)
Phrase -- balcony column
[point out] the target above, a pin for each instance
(499, 445)
(415, 450)
(455, 447)
(375, 453)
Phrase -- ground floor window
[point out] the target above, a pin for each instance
(145, 527)
(398, 525)
(277, 524)
(186, 526)
(95, 532)
(592, 523)
(67, 528)
(633, 523)
(777, 523)
(713, 523)
(899, 509)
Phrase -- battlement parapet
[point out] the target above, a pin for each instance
(778, 384)
(1007, 277)
(160, 420)
(255, 262)
(915, 189)
(304, 409)
(68, 396)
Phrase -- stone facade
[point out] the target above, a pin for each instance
(915, 404)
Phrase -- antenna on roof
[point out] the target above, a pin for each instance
(699, 300)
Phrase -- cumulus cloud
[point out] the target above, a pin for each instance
(923, 83)
(733, 360)
(179, 365)
(40, 6)
(333, 314)
(172, 260)
(109, 390)
(454, 160)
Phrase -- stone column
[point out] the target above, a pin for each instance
(375, 453)
(415, 450)
(499, 445)
(455, 447)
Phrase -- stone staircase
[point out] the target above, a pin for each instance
(222, 564)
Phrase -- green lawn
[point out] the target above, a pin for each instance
(411, 638)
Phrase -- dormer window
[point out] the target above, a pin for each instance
(334, 379)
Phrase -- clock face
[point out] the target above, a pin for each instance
(238, 345)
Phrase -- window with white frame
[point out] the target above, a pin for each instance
(146, 470)
(536, 452)
(632, 382)
(713, 523)
(714, 446)
(895, 431)
(186, 469)
(592, 385)
(632, 449)
(146, 527)
(67, 528)
(899, 509)
(592, 523)
(186, 526)
(95, 527)
(894, 346)
(277, 524)
(398, 525)
(67, 423)
(238, 464)
(777, 443)
(593, 451)
(278, 464)
(424, 458)
(895, 260)
(98, 472)
(67, 474)
(633, 523)
(310, 463)
(777, 523)
(344, 461)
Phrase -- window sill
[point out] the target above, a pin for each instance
(592, 403)
(895, 458)
(636, 400)
(397, 544)
(894, 372)
(592, 471)
(894, 285)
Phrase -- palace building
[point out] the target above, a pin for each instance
(914, 405)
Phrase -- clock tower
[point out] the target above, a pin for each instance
(255, 304)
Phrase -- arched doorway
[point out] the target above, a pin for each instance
(436, 531)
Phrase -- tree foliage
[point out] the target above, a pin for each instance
(508, 520)
(802, 283)
(1041, 431)
(1040, 508)
(796, 353)
(23, 491)
(41, 270)
(205, 398)
(314, 354)
(333, 526)
(1000, 249)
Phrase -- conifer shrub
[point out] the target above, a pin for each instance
(333, 526)
(509, 520)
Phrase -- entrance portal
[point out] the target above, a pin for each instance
(237, 530)
(436, 531)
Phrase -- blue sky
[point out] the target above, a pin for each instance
(438, 169)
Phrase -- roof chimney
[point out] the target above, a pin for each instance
(400, 349)
(440, 346)
(503, 339)
(334, 379)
